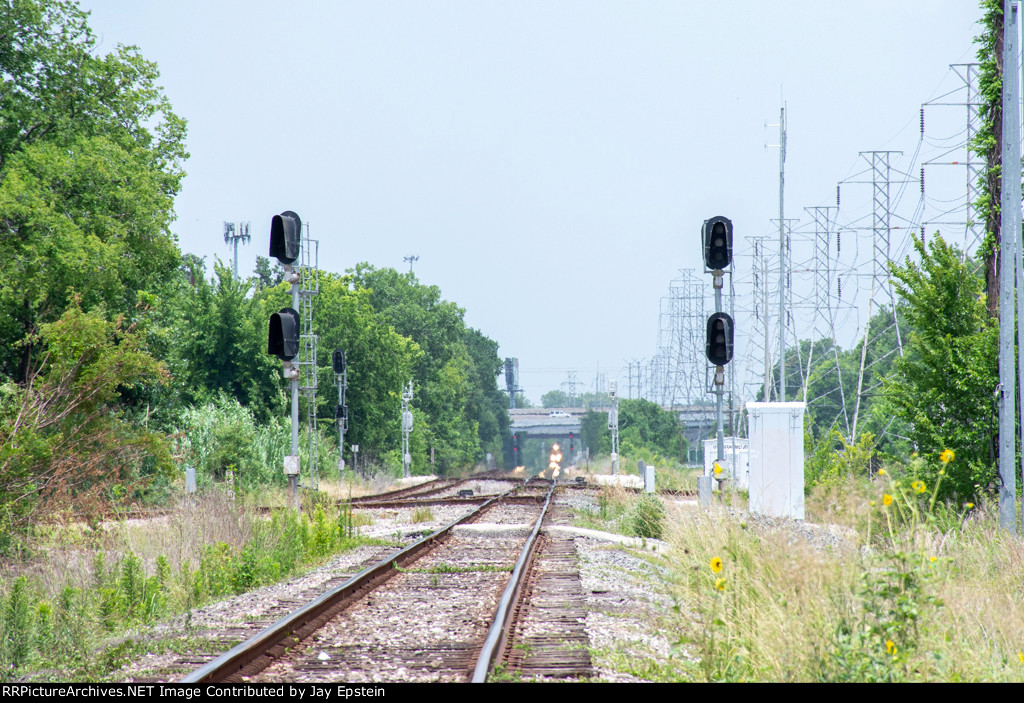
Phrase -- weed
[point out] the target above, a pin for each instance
(647, 518)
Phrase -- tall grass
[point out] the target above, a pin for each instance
(55, 614)
(924, 591)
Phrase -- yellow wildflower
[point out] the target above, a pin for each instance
(918, 486)
(1020, 655)
(716, 564)
(720, 584)
(872, 504)
(881, 472)
(969, 506)
(890, 647)
(947, 456)
(887, 500)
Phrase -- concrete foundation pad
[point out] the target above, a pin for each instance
(413, 481)
(627, 480)
(654, 545)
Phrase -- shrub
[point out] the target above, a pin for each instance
(647, 518)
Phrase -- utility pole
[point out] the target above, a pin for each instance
(406, 431)
(1010, 227)
(613, 426)
(411, 259)
(782, 255)
(341, 412)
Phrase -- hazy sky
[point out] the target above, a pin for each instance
(551, 162)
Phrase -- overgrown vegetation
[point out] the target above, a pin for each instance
(917, 590)
(626, 513)
(61, 617)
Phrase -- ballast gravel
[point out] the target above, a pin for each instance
(629, 609)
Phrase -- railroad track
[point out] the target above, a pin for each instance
(441, 609)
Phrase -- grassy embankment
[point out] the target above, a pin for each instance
(905, 589)
(65, 609)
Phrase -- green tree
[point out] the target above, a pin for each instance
(218, 342)
(443, 374)
(594, 432)
(557, 399)
(987, 141)
(379, 359)
(943, 388)
(487, 404)
(57, 89)
(90, 160)
(267, 275)
(643, 427)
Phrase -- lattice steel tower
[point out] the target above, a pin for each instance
(309, 286)
(881, 284)
(826, 280)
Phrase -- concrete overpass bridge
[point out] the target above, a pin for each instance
(698, 421)
(555, 423)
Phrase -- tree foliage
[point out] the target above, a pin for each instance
(90, 161)
(63, 439)
(643, 427)
(456, 372)
(943, 388)
(219, 343)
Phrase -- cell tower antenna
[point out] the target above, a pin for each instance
(233, 233)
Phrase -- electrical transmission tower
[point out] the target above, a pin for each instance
(882, 296)
(758, 343)
(681, 341)
(974, 228)
(639, 380)
(826, 304)
(570, 385)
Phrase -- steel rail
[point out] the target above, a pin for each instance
(427, 487)
(497, 636)
(247, 658)
(450, 500)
